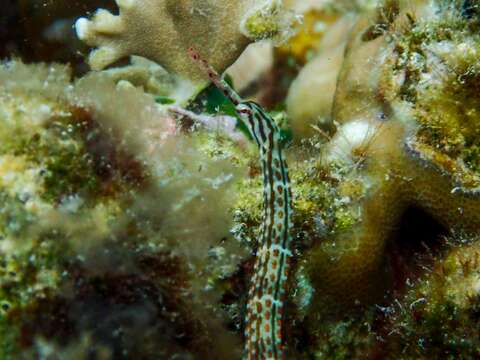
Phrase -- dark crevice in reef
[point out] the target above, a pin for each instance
(42, 31)
(414, 246)
(412, 250)
(234, 299)
(470, 9)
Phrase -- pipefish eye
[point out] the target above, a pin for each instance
(243, 110)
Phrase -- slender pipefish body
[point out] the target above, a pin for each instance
(266, 297)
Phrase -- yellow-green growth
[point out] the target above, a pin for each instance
(261, 25)
(438, 317)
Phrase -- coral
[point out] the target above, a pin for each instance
(306, 41)
(146, 74)
(255, 61)
(163, 30)
(310, 96)
(320, 43)
(116, 203)
(385, 145)
(436, 316)
(331, 5)
(391, 153)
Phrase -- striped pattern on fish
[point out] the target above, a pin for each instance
(266, 298)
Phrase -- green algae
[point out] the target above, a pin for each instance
(48, 177)
(318, 195)
(262, 25)
(439, 315)
(82, 208)
(247, 211)
(438, 58)
(8, 336)
(67, 164)
(14, 218)
(325, 192)
(344, 339)
(32, 271)
(27, 275)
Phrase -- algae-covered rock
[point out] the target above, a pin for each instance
(438, 316)
(90, 222)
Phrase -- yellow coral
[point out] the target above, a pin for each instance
(310, 31)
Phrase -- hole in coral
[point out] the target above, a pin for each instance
(470, 9)
(416, 243)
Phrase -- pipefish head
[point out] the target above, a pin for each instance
(245, 110)
(214, 77)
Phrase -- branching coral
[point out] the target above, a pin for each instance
(163, 30)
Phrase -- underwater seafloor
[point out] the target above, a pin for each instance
(132, 190)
